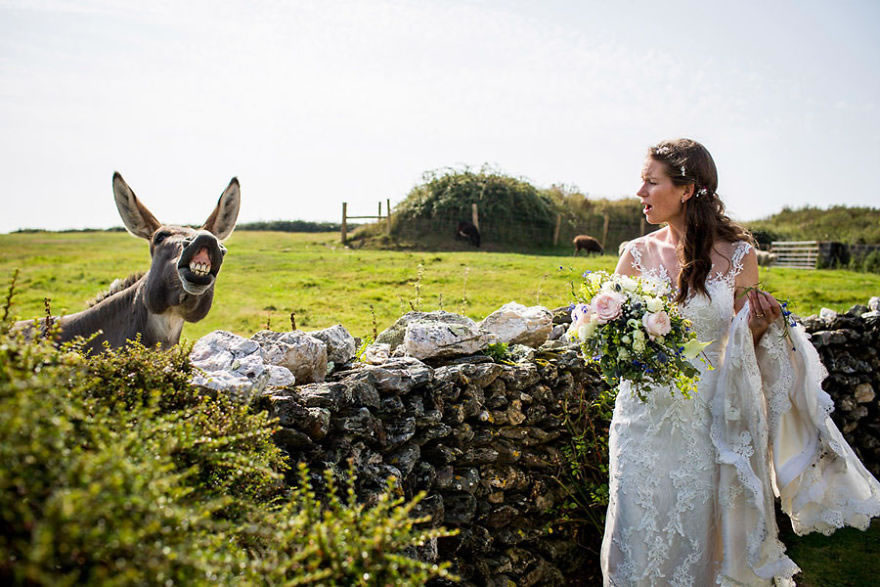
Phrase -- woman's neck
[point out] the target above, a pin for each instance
(674, 234)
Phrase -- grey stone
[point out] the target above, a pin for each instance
(304, 355)
(827, 314)
(394, 335)
(874, 304)
(376, 353)
(514, 323)
(231, 364)
(341, 346)
(435, 339)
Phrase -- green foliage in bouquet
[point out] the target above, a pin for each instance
(114, 470)
(633, 331)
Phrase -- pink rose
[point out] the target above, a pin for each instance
(657, 323)
(607, 306)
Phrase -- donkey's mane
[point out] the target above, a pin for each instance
(117, 286)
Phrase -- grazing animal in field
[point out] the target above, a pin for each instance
(583, 242)
(765, 258)
(467, 231)
(621, 248)
(178, 287)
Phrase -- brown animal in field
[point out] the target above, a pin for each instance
(583, 242)
(178, 287)
(467, 231)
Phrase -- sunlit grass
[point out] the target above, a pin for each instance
(269, 275)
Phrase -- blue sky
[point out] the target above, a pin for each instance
(317, 102)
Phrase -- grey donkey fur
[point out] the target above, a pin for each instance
(179, 286)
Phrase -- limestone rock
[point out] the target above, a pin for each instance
(233, 364)
(426, 339)
(377, 353)
(395, 334)
(341, 346)
(827, 314)
(304, 355)
(874, 304)
(515, 323)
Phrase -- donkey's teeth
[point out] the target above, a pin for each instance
(200, 269)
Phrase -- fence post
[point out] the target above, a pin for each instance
(556, 230)
(642, 226)
(475, 216)
(605, 232)
(344, 210)
(388, 213)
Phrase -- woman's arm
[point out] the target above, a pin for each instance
(625, 265)
(763, 308)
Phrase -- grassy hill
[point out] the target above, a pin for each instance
(853, 225)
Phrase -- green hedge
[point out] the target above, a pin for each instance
(115, 471)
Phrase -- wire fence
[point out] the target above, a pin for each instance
(520, 233)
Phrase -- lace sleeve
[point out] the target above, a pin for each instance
(635, 250)
(740, 250)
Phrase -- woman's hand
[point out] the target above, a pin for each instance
(763, 311)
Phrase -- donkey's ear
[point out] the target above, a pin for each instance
(137, 219)
(221, 222)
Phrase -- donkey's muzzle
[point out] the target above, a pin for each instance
(200, 262)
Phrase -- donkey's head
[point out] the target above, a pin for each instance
(185, 261)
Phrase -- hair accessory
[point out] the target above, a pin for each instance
(682, 171)
(663, 151)
(702, 192)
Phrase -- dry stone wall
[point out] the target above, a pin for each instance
(484, 439)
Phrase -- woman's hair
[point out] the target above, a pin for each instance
(688, 162)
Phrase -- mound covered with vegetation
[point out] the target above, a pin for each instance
(114, 470)
(852, 225)
(512, 212)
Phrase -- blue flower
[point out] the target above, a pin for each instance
(661, 356)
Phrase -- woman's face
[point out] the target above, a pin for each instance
(661, 199)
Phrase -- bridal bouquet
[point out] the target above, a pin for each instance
(631, 327)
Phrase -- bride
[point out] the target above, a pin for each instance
(692, 481)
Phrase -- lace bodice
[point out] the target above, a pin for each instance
(711, 316)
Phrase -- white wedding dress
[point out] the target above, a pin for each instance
(692, 481)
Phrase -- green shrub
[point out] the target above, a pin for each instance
(114, 470)
(585, 476)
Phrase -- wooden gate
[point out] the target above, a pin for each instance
(795, 254)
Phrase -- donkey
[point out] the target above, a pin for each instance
(178, 287)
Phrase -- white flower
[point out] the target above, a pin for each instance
(654, 304)
(628, 283)
(638, 335)
(639, 346)
(622, 354)
(587, 330)
(595, 279)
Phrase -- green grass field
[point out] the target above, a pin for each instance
(268, 275)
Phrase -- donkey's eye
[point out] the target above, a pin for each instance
(160, 236)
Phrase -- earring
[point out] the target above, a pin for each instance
(682, 200)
